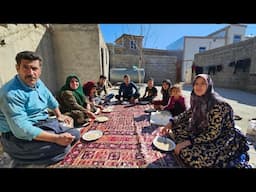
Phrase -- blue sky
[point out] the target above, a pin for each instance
(159, 36)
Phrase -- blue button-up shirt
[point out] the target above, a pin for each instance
(22, 106)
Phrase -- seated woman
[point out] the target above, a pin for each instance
(176, 103)
(165, 90)
(89, 90)
(72, 101)
(205, 134)
(150, 92)
(128, 90)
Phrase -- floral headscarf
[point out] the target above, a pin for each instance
(201, 105)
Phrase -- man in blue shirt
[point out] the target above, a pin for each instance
(128, 90)
(28, 135)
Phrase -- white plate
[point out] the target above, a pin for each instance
(164, 143)
(144, 102)
(125, 103)
(92, 135)
(107, 110)
(101, 119)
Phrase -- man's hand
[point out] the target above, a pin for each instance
(64, 118)
(64, 139)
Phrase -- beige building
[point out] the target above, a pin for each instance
(66, 48)
(128, 52)
(237, 64)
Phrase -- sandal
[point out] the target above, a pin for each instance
(237, 117)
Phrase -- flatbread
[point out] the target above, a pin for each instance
(92, 135)
(107, 110)
(163, 143)
(101, 119)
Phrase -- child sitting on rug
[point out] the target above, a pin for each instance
(150, 92)
(166, 84)
(101, 86)
(128, 90)
(89, 90)
(176, 103)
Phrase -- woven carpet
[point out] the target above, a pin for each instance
(126, 143)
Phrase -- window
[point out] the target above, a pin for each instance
(202, 49)
(237, 38)
(133, 44)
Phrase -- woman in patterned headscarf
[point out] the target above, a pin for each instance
(205, 134)
(72, 101)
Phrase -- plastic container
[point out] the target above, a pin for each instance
(251, 130)
(137, 74)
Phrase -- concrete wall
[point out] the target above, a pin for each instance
(65, 49)
(227, 54)
(159, 64)
(78, 50)
(26, 37)
(160, 68)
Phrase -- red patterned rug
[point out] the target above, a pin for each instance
(126, 143)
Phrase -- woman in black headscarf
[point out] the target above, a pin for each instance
(205, 134)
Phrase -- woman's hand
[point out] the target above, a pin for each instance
(165, 130)
(180, 146)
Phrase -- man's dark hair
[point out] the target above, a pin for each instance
(151, 79)
(126, 75)
(28, 55)
(103, 77)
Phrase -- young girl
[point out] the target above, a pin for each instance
(89, 90)
(166, 84)
(176, 103)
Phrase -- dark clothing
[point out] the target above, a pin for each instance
(166, 97)
(217, 145)
(69, 106)
(199, 70)
(149, 94)
(38, 152)
(128, 91)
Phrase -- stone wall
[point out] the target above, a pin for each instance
(244, 80)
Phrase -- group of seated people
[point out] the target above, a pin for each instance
(205, 133)
(172, 99)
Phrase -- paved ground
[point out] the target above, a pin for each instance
(243, 103)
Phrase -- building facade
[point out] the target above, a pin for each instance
(66, 49)
(128, 52)
(231, 66)
(191, 45)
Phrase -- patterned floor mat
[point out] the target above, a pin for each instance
(126, 143)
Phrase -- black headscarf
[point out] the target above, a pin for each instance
(201, 105)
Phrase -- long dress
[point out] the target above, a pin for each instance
(216, 146)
